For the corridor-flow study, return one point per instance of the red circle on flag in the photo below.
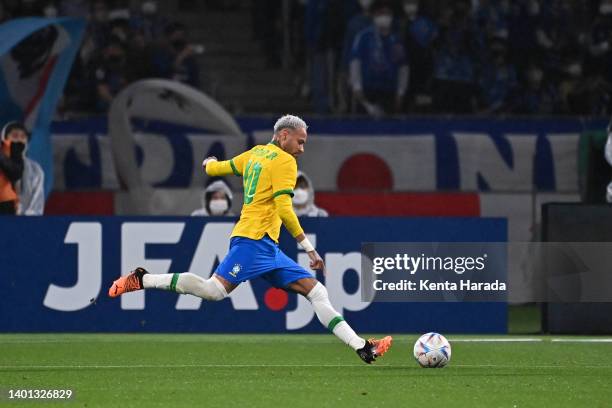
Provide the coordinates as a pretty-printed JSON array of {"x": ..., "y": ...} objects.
[{"x": 365, "y": 171}]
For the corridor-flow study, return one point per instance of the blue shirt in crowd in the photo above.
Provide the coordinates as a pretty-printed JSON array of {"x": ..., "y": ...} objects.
[
  {"x": 453, "y": 67},
  {"x": 424, "y": 31},
  {"x": 496, "y": 84},
  {"x": 381, "y": 58},
  {"x": 355, "y": 25}
]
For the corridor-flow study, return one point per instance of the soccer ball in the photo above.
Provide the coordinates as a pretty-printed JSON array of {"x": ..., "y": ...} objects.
[{"x": 432, "y": 350}]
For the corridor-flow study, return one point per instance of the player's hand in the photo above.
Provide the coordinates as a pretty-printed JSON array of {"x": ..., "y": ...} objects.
[
  {"x": 207, "y": 160},
  {"x": 316, "y": 262}
]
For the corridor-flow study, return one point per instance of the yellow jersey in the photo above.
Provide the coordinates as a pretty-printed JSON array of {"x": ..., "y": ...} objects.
[{"x": 268, "y": 172}]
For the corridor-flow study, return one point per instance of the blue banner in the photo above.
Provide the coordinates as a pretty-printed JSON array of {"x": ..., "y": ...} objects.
[
  {"x": 36, "y": 56},
  {"x": 56, "y": 272}
]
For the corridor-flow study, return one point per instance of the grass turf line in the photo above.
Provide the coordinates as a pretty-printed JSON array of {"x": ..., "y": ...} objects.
[{"x": 159, "y": 370}]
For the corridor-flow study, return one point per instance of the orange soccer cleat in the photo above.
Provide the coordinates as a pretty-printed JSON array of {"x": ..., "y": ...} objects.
[
  {"x": 127, "y": 283},
  {"x": 374, "y": 348}
]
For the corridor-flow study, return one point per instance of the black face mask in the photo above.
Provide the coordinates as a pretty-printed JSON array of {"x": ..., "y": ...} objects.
[
  {"x": 17, "y": 149},
  {"x": 179, "y": 44}
]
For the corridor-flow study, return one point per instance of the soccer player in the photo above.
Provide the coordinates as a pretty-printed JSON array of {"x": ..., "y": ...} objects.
[{"x": 269, "y": 176}]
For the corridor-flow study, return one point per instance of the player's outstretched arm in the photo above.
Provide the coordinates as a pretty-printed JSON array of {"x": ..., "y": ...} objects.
[
  {"x": 235, "y": 166},
  {"x": 284, "y": 208}
]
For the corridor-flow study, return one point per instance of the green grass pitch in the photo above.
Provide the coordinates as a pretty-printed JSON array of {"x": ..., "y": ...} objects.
[{"x": 158, "y": 370}]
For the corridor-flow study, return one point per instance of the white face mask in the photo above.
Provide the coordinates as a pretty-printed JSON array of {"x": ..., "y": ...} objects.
[
  {"x": 50, "y": 11},
  {"x": 535, "y": 75},
  {"x": 605, "y": 8},
  {"x": 383, "y": 21},
  {"x": 365, "y": 4},
  {"x": 411, "y": 9},
  {"x": 218, "y": 206},
  {"x": 300, "y": 196},
  {"x": 149, "y": 7}
]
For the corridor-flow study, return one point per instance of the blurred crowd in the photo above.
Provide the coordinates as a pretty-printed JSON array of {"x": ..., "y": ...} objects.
[
  {"x": 374, "y": 57},
  {"x": 122, "y": 44},
  {"x": 455, "y": 56}
]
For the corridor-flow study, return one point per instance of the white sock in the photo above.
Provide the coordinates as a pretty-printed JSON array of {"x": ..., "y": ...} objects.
[
  {"x": 157, "y": 280},
  {"x": 186, "y": 283},
  {"x": 331, "y": 319}
]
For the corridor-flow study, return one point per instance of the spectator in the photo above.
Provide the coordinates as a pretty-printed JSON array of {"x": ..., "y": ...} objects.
[
  {"x": 50, "y": 9},
  {"x": 555, "y": 36},
  {"x": 119, "y": 24},
  {"x": 498, "y": 79},
  {"x": 110, "y": 74},
  {"x": 175, "y": 58},
  {"x": 216, "y": 200},
  {"x": 139, "y": 57},
  {"x": 13, "y": 141},
  {"x": 454, "y": 87},
  {"x": 99, "y": 26},
  {"x": 491, "y": 16},
  {"x": 378, "y": 67},
  {"x": 536, "y": 96},
  {"x": 304, "y": 197},
  {"x": 149, "y": 22},
  {"x": 599, "y": 59},
  {"x": 420, "y": 31},
  {"x": 325, "y": 20},
  {"x": 30, "y": 188},
  {"x": 356, "y": 23}
]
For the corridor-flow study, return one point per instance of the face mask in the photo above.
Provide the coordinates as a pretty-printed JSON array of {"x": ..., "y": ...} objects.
[
  {"x": 218, "y": 206},
  {"x": 149, "y": 7},
  {"x": 50, "y": 12},
  {"x": 383, "y": 21},
  {"x": 575, "y": 69},
  {"x": 300, "y": 196},
  {"x": 535, "y": 75},
  {"x": 18, "y": 149},
  {"x": 411, "y": 9},
  {"x": 365, "y": 4},
  {"x": 605, "y": 8}
]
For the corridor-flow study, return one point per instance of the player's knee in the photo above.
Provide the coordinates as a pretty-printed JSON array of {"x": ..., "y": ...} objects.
[
  {"x": 209, "y": 289},
  {"x": 215, "y": 290}
]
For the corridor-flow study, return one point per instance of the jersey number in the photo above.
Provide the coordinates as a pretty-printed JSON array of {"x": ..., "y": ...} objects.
[{"x": 251, "y": 177}]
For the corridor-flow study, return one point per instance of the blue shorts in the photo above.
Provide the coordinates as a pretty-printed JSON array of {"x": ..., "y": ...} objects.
[{"x": 250, "y": 258}]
